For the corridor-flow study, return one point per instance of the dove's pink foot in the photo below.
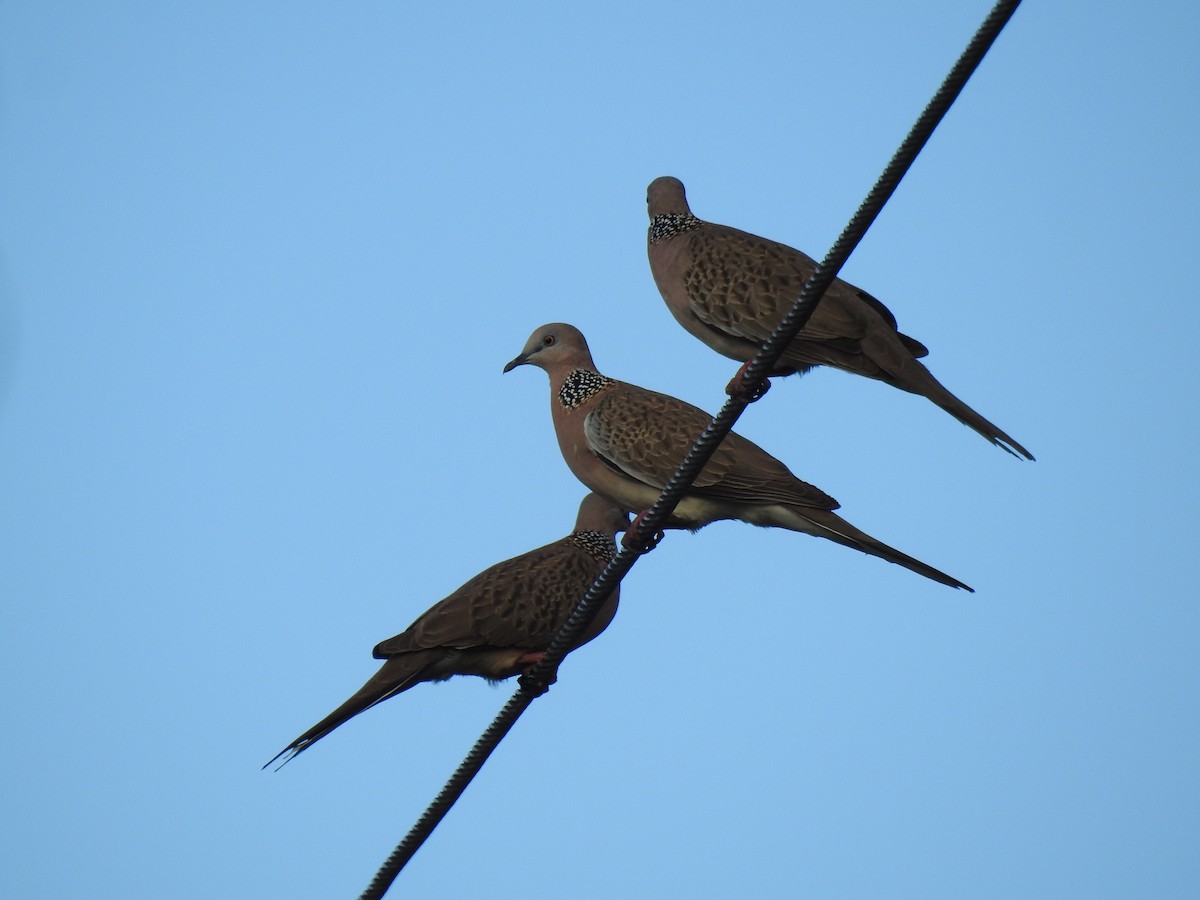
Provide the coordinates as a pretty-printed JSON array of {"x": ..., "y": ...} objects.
[
  {"x": 739, "y": 387},
  {"x": 627, "y": 538}
]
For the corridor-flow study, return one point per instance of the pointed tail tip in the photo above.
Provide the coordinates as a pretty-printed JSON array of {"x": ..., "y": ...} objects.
[
  {"x": 936, "y": 575},
  {"x": 290, "y": 752},
  {"x": 942, "y": 578},
  {"x": 1008, "y": 445}
]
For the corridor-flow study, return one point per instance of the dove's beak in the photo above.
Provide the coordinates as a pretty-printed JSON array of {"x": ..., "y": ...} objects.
[{"x": 521, "y": 360}]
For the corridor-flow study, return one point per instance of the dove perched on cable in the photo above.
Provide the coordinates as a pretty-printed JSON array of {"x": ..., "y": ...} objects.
[
  {"x": 497, "y": 624},
  {"x": 730, "y": 289},
  {"x": 625, "y": 442}
]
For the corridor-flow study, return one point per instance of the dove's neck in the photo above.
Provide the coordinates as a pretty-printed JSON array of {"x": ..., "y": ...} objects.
[
  {"x": 667, "y": 225},
  {"x": 595, "y": 543},
  {"x": 581, "y": 385}
]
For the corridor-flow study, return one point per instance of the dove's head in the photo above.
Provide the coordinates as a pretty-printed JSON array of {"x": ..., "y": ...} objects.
[
  {"x": 665, "y": 196},
  {"x": 555, "y": 348},
  {"x": 597, "y": 513}
]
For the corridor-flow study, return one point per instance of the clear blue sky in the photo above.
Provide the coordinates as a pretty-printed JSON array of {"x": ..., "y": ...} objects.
[{"x": 260, "y": 267}]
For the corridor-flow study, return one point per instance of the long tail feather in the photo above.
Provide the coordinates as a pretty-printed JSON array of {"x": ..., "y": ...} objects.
[
  {"x": 917, "y": 379},
  {"x": 396, "y": 675},
  {"x": 834, "y": 528}
]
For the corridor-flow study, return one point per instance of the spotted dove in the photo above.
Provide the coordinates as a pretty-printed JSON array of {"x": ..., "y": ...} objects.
[
  {"x": 625, "y": 442},
  {"x": 497, "y": 624},
  {"x": 730, "y": 289}
]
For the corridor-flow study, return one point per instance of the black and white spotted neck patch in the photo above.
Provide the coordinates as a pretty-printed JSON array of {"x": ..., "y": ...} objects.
[
  {"x": 579, "y": 386},
  {"x": 595, "y": 544},
  {"x": 667, "y": 225}
]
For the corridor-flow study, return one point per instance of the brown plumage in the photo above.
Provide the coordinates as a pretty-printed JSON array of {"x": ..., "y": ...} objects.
[
  {"x": 730, "y": 289},
  {"x": 498, "y": 623},
  {"x": 625, "y": 442}
]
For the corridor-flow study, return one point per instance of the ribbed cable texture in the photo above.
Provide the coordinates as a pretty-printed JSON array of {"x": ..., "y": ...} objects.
[{"x": 537, "y": 680}]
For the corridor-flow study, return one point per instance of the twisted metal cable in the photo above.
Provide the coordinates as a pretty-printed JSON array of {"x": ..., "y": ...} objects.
[{"x": 538, "y": 679}]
